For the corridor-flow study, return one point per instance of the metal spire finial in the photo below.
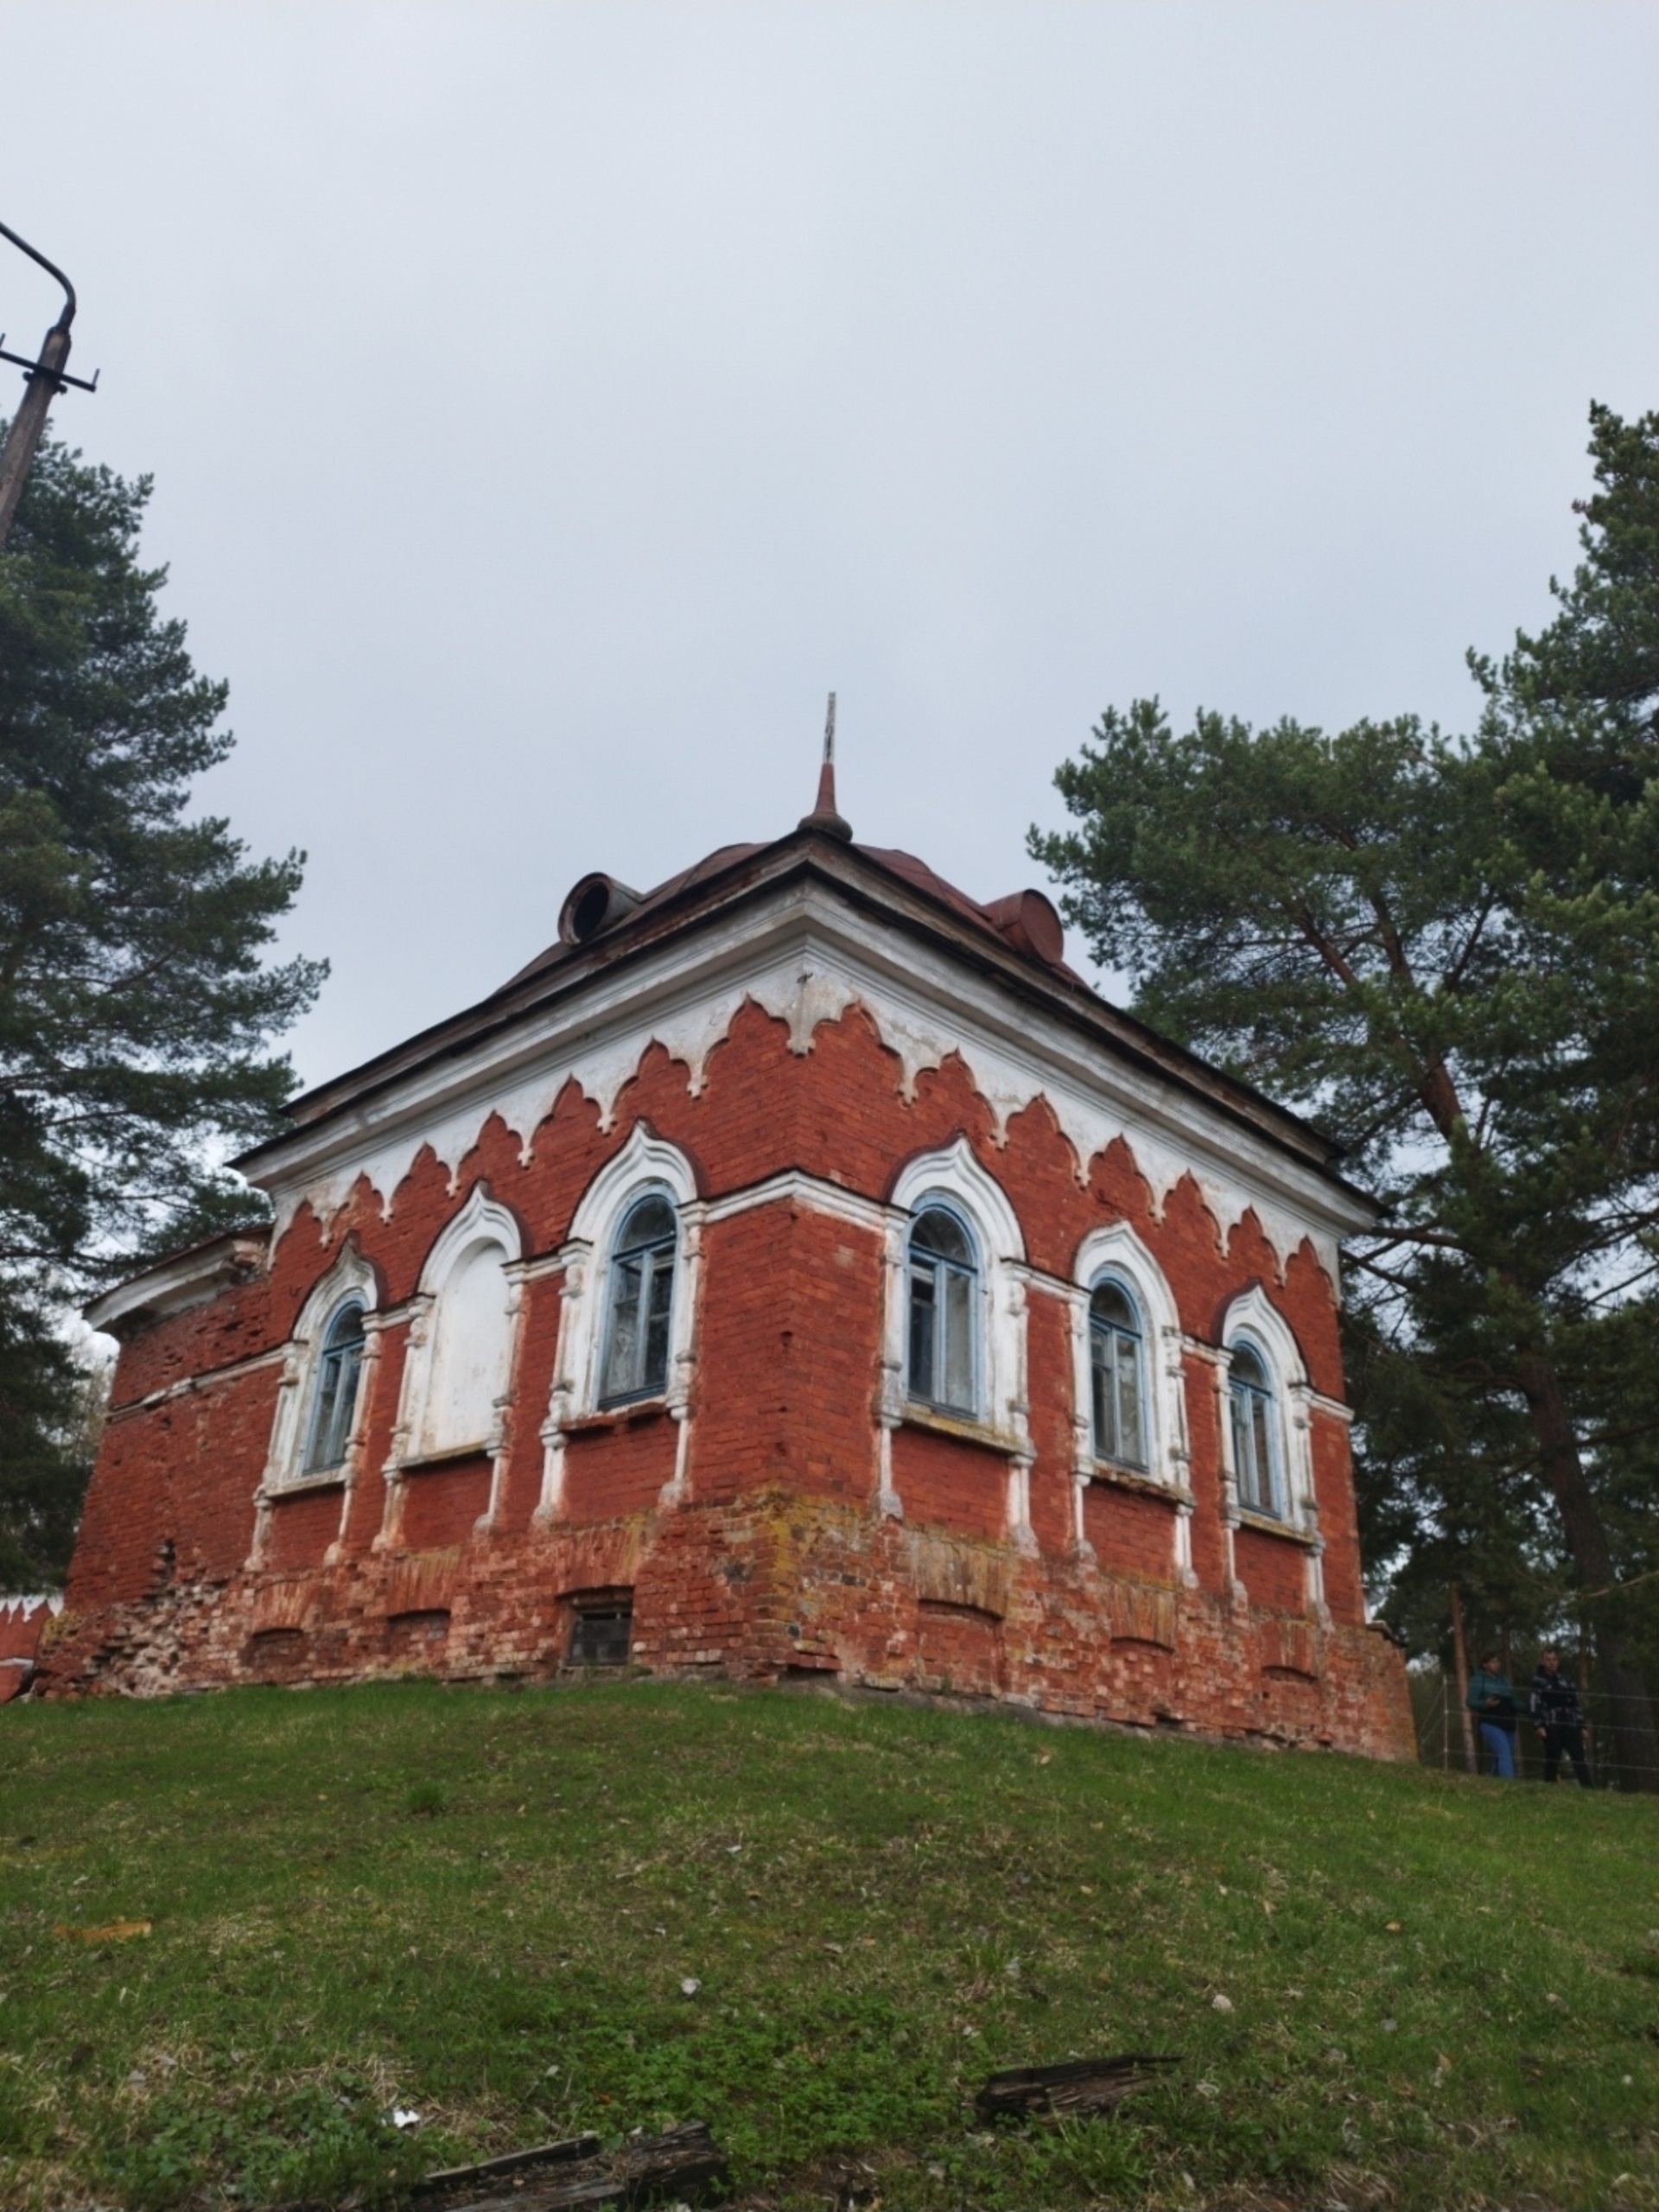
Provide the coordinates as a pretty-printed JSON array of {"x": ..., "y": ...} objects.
[{"x": 823, "y": 815}]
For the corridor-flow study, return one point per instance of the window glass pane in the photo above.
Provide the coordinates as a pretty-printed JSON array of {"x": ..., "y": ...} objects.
[
  {"x": 654, "y": 1368},
  {"x": 642, "y": 1299},
  {"x": 1131, "y": 1441},
  {"x": 921, "y": 1329},
  {"x": 347, "y": 1327},
  {"x": 1264, "y": 1451},
  {"x": 1105, "y": 1396},
  {"x": 622, "y": 1358},
  {"x": 1248, "y": 1367},
  {"x": 323, "y": 1420},
  {"x": 942, "y": 1234},
  {"x": 1110, "y": 1302},
  {"x": 336, "y": 1400},
  {"x": 348, "y": 1373},
  {"x": 651, "y": 1222},
  {"x": 958, "y": 1340},
  {"x": 1243, "y": 1446}
]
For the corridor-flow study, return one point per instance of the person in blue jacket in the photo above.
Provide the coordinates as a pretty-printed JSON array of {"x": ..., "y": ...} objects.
[{"x": 1491, "y": 1699}]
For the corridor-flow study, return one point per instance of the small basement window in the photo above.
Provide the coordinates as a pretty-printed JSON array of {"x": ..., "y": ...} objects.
[{"x": 601, "y": 1636}]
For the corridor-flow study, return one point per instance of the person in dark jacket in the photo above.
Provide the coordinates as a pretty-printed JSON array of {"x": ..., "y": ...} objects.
[
  {"x": 1491, "y": 1699},
  {"x": 1557, "y": 1717}
]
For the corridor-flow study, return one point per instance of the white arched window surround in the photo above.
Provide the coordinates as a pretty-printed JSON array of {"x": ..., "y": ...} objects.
[
  {"x": 646, "y": 1166},
  {"x": 1253, "y": 1320},
  {"x": 1114, "y": 1254},
  {"x": 459, "y": 1370},
  {"x": 350, "y": 1281},
  {"x": 954, "y": 1179}
]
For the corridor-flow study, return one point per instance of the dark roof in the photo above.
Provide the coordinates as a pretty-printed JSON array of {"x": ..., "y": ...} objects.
[
  {"x": 723, "y": 856},
  {"x": 904, "y": 865}
]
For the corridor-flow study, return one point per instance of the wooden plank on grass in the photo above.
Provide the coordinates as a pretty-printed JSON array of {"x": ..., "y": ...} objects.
[
  {"x": 1081, "y": 2085},
  {"x": 565, "y": 2151},
  {"x": 683, "y": 2162}
]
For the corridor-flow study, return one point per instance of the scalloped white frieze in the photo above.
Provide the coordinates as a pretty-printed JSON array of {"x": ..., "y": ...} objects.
[{"x": 805, "y": 997}]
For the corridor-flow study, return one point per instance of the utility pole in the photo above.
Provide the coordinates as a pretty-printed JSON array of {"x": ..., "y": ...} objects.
[{"x": 43, "y": 378}]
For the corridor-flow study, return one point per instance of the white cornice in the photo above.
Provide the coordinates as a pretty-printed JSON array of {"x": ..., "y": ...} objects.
[
  {"x": 811, "y": 1192},
  {"x": 189, "y": 1279},
  {"x": 804, "y": 955}
]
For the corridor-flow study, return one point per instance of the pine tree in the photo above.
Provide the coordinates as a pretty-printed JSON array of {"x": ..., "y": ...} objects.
[
  {"x": 1448, "y": 950},
  {"x": 136, "y": 997}
]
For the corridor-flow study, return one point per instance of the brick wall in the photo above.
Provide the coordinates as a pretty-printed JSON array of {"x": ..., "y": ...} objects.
[
  {"x": 23, "y": 1623},
  {"x": 777, "y": 1561}
]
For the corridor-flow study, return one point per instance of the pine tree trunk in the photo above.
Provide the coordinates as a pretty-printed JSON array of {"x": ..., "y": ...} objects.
[
  {"x": 1634, "y": 1738},
  {"x": 1460, "y": 1668}
]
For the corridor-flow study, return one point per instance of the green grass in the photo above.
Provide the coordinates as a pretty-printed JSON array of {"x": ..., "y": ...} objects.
[{"x": 482, "y": 1905}]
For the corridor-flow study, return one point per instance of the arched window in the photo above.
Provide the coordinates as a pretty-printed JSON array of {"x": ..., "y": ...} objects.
[
  {"x": 943, "y": 1321},
  {"x": 333, "y": 1402},
  {"x": 1254, "y": 1448},
  {"x": 1116, "y": 1375},
  {"x": 641, "y": 1302}
]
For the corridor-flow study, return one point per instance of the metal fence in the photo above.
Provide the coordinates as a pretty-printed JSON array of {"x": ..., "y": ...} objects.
[{"x": 1438, "y": 1714}]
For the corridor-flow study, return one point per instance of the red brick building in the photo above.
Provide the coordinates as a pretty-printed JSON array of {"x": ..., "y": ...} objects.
[{"x": 796, "y": 1272}]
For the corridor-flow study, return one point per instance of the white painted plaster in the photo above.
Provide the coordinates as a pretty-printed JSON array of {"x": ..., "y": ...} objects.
[
  {"x": 805, "y": 958},
  {"x": 455, "y": 1378}
]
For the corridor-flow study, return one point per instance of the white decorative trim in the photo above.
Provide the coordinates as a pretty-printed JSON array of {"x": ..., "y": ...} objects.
[
  {"x": 351, "y": 1276},
  {"x": 481, "y": 1221},
  {"x": 23, "y": 1606},
  {"x": 1114, "y": 1250},
  {"x": 1332, "y": 1409},
  {"x": 172, "y": 1286},
  {"x": 549, "y": 1263},
  {"x": 805, "y": 955},
  {"x": 1252, "y": 1317},
  {"x": 956, "y": 1174},
  {"x": 643, "y": 1163},
  {"x": 480, "y": 1224},
  {"x": 812, "y": 1192}
]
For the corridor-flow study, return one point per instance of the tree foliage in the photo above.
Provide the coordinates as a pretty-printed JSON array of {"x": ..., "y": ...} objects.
[
  {"x": 1445, "y": 950},
  {"x": 136, "y": 994}
]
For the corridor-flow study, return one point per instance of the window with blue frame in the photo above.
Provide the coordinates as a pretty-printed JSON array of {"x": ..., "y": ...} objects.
[
  {"x": 340, "y": 1366},
  {"x": 1117, "y": 1376},
  {"x": 943, "y": 1270},
  {"x": 1254, "y": 1448},
  {"x": 641, "y": 1302}
]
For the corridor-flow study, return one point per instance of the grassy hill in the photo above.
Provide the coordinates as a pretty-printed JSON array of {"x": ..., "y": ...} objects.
[{"x": 1385, "y": 1986}]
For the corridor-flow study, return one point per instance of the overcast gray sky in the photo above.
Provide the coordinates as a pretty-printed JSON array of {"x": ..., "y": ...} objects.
[{"x": 549, "y": 404}]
